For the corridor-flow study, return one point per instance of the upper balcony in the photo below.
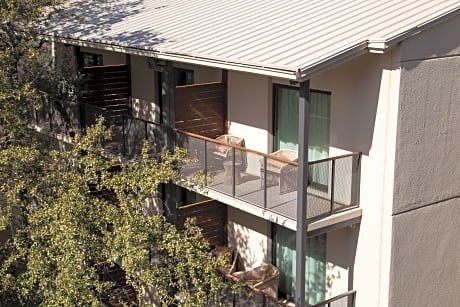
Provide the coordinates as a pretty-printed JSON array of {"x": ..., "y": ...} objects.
[
  {"x": 269, "y": 181},
  {"x": 237, "y": 175}
]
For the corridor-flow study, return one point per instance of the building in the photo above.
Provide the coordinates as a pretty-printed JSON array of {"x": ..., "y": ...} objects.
[{"x": 382, "y": 79}]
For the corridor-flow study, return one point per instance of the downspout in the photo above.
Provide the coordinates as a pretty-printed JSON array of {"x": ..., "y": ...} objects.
[{"x": 302, "y": 175}]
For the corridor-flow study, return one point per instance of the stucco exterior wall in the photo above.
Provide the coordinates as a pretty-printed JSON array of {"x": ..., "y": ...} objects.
[
  {"x": 251, "y": 236},
  {"x": 249, "y": 113},
  {"x": 425, "y": 268},
  {"x": 364, "y": 109},
  {"x": 363, "y": 118},
  {"x": 425, "y": 258},
  {"x": 439, "y": 41}
]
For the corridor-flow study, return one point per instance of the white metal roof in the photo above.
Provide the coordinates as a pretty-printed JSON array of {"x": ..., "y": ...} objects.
[{"x": 273, "y": 37}]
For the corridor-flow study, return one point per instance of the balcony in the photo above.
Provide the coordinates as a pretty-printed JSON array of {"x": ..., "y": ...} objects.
[{"x": 245, "y": 175}]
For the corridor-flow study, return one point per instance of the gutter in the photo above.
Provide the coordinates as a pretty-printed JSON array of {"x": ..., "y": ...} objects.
[{"x": 289, "y": 74}]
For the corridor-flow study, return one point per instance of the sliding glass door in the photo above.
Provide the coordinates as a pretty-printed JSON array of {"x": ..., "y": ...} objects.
[
  {"x": 286, "y": 124},
  {"x": 315, "y": 264}
]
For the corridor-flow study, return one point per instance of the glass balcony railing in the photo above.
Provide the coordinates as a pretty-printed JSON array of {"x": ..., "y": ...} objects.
[
  {"x": 262, "y": 180},
  {"x": 271, "y": 182}
]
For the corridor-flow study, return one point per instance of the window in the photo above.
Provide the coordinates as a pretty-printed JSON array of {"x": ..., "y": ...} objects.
[
  {"x": 90, "y": 59},
  {"x": 315, "y": 264},
  {"x": 286, "y": 122},
  {"x": 183, "y": 76}
]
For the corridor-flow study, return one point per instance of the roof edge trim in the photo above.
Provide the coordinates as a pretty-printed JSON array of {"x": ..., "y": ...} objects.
[
  {"x": 189, "y": 59},
  {"x": 338, "y": 58},
  {"x": 422, "y": 27}
]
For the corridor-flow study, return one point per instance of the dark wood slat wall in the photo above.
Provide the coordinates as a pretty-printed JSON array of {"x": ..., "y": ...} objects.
[
  {"x": 108, "y": 87},
  {"x": 201, "y": 109},
  {"x": 211, "y": 217}
]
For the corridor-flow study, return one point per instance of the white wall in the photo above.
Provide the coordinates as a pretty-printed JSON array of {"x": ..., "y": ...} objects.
[
  {"x": 251, "y": 236},
  {"x": 249, "y": 113}
]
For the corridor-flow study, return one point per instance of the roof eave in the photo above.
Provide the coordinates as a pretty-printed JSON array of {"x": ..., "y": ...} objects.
[{"x": 284, "y": 73}]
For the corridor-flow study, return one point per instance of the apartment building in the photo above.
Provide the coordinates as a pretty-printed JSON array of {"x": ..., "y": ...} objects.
[{"x": 375, "y": 88}]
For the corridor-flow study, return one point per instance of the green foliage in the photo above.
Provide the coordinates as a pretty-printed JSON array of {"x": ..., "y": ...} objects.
[
  {"x": 24, "y": 65},
  {"x": 62, "y": 229}
]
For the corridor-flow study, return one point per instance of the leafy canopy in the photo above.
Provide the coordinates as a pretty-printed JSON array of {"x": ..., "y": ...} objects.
[{"x": 70, "y": 210}]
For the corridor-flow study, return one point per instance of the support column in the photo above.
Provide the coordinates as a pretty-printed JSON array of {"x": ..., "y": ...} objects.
[
  {"x": 168, "y": 123},
  {"x": 302, "y": 178},
  {"x": 167, "y": 99}
]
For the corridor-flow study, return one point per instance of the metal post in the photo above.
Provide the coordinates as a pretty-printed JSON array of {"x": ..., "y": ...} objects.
[
  {"x": 205, "y": 169},
  {"x": 167, "y": 89},
  {"x": 302, "y": 179},
  {"x": 123, "y": 134},
  {"x": 168, "y": 120},
  {"x": 332, "y": 186},
  {"x": 265, "y": 182},
  {"x": 233, "y": 173}
]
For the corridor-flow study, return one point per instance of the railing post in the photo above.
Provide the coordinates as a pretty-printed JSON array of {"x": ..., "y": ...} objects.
[
  {"x": 265, "y": 182},
  {"x": 332, "y": 186},
  {"x": 355, "y": 180},
  {"x": 205, "y": 169},
  {"x": 233, "y": 173},
  {"x": 123, "y": 134}
]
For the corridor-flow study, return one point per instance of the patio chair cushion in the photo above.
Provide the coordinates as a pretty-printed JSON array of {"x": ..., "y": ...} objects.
[
  {"x": 229, "y": 139},
  {"x": 264, "y": 278}
]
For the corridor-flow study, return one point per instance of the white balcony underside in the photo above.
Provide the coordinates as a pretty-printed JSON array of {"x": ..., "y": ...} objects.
[{"x": 282, "y": 207}]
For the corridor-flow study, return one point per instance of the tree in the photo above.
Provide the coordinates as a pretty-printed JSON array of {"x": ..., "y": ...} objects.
[
  {"x": 63, "y": 227},
  {"x": 70, "y": 212},
  {"x": 27, "y": 77}
]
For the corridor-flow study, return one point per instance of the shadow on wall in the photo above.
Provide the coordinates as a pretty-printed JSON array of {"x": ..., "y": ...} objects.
[
  {"x": 356, "y": 88},
  {"x": 246, "y": 237},
  {"x": 341, "y": 255},
  {"x": 96, "y": 20}
]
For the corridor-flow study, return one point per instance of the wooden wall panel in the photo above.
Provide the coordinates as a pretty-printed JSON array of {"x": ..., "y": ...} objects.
[
  {"x": 201, "y": 109},
  {"x": 108, "y": 87},
  {"x": 211, "y": 217}
]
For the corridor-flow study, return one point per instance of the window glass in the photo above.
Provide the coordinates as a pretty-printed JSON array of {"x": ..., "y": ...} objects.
[
  {"x": 183, "y": 76},
  {"x": 90, "y": 59},
  {"x": 315, "y": 264}
]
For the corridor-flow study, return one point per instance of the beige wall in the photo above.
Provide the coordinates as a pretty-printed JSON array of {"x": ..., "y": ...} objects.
[
  {"x": 340, "y": 255},
  {"x": 202, "y": 74},
  {"x": 143, "y": 88},
  {"x": 251, "y": 236},
  {"x": 363, "y": 118},
  {"x": 249, "y": 113}
]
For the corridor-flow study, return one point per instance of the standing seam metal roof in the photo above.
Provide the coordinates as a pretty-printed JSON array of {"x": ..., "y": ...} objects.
[{"x": 273, "y": 35}]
